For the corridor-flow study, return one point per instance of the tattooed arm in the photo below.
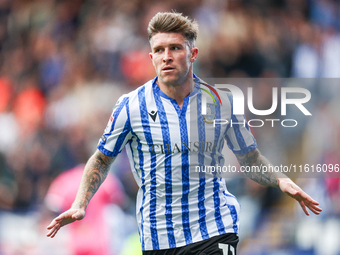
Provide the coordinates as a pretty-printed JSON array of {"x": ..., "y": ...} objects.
[
  {"x": 254, "y": 158},
  {"x": 94, "y": 174}
]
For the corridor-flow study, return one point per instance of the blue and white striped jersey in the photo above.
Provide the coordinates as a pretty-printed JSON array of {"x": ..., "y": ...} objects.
[{"x": 165, "y": 144}]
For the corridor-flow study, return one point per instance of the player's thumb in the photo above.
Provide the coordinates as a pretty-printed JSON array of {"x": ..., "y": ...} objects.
[
  {"x": 292, "y": 191},
  {"x": 78, "y": 215}
]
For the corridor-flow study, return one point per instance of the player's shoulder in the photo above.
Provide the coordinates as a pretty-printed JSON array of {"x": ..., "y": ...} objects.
[
  {"x": 133, "y": 95},
  {"x": 221, "y": 94}
]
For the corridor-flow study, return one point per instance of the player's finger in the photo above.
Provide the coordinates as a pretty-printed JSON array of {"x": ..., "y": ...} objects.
[
  {"x": 62, "y": 216},
  {"x": 311, "y": 204},
  {"x": 318, "y": 208},
  {"x": 315, "y": 209},
  {"x": 312, "y": 201},
  {"x": 49, "y": 234},
  {"x": 308, "y": 198},
  {"x": 53, "y": 231},
  {"x": 302, "y": 204},
  {"x": 52, "y": 224}
]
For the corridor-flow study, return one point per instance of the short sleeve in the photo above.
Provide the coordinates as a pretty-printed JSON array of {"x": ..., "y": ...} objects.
[
  {"x": 118, "y": 130},
  {"x": 238, "y": 135}
]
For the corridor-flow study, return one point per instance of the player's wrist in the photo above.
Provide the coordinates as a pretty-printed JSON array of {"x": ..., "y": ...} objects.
[
  {"x": 78, "y": 206},
  {"x": 281, "y": 180}
]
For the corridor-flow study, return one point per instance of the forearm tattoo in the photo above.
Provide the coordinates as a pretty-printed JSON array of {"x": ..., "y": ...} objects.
[
  {"x": 94, "y": 174},
  {"x": 254, "y": 158}
]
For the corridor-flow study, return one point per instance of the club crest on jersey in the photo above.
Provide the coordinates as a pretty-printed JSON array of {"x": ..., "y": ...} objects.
[{"x": 211, "y": 113}]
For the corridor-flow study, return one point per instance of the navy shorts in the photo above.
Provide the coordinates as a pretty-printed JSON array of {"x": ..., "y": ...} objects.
[{"x": 218, "y": 245}]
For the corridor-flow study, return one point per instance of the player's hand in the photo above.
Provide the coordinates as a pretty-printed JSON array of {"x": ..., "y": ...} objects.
[
  {"x": 63, "y": 219},
  {"x": 294, "y": 191}
]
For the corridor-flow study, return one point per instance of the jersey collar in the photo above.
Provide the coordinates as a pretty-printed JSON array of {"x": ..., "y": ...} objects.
[{"x": 162, "y": 94}]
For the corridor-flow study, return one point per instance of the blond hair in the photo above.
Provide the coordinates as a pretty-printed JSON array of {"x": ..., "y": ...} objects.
[{"x": 167, "y": 22}]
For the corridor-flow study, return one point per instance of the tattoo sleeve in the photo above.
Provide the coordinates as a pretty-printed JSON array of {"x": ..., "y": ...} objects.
[
  {"x": 95, "y": 172},
  {"x": 254, "y": 158}
]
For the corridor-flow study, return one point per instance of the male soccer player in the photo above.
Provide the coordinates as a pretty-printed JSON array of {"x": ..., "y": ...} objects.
[{"x": 167, "y": 136}]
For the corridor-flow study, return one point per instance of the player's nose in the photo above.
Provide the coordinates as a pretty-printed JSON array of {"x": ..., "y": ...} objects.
[{"x": 167, "y": 55}]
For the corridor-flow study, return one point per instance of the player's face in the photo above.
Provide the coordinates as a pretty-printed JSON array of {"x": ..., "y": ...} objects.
[{"x": 172, "y": 58}]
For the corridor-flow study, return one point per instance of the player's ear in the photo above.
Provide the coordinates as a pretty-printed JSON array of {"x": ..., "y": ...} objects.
[
  {"x": 194, "y": 53},
  {"x": 151, "y": 57},
  {"x": 150, "y": 53}
]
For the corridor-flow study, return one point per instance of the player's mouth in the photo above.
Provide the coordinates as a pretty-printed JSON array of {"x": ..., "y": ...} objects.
[{"x": 168, "y": 69}]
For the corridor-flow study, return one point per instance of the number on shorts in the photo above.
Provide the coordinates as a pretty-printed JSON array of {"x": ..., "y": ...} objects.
[{"x": 225, "y": 248}]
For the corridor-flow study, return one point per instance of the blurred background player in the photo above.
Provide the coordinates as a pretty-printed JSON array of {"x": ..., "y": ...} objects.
[{"x": 90, "y": 236}]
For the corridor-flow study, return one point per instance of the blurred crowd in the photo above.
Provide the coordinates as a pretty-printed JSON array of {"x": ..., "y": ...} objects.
[{"x": 63, "y": 65}]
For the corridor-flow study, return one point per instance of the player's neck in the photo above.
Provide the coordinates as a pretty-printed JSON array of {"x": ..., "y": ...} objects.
[{"x": 179, "y": 91}]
